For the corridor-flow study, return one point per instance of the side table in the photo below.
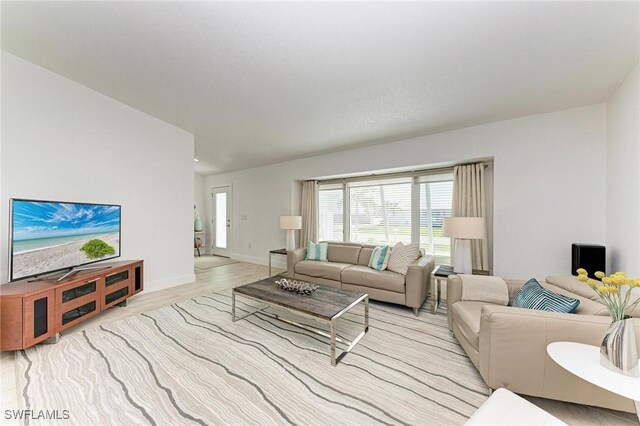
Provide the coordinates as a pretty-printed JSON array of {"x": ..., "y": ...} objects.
[
  {"x": 584, "y": 361},
  {"x": 441, "y": 273},
  {"x": 282, "y": 252}
]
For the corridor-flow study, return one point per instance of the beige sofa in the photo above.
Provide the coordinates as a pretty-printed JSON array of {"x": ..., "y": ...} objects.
[
  {"x": 347, "y": 268},
  {"x": 508, "y": 345}
]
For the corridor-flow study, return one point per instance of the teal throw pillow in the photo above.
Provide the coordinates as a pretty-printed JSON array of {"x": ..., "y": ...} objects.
[
  {"x": 380, "y": 258},
  {"x": 316, "y": 251},
  {"x": 533, "y": 296}
]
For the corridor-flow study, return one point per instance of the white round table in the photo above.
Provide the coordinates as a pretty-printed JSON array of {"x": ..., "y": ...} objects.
[{"x": 584, "y": 361}]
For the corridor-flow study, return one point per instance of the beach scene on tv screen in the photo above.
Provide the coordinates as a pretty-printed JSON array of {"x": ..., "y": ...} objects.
[{"x": 49, "y": 236}]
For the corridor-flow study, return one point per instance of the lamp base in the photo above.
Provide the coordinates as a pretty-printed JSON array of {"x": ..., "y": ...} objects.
[
  {"x": 291, "y": 240},
  {"x": 462, "y": 257}
]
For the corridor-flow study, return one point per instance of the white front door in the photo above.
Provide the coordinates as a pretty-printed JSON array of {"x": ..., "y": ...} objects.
[{"x": 222, "y": 221}]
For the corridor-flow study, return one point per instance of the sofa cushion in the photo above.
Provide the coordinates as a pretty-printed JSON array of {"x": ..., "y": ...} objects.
[
  {"x": 365, "y": 256},
  {"x": 327, "y": 270},
  {"x": 316, "y": 251},
  {"x": 367, "y": 277},
  {"x": 533, "y": 296},
  {"x": 467, "y": 314},
  {"x": 343, "y": 253}
]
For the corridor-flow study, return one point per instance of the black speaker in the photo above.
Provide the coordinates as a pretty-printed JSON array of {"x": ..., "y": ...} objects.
[{"x": 591, "y": 257}]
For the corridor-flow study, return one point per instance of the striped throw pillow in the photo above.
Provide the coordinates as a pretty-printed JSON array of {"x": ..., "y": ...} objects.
[
  {"x": 402, "y": 256},
  {"x": 379, "y": 258},
  {"x": 316, "y": 251},
  {"x": 533, "y": 296}
]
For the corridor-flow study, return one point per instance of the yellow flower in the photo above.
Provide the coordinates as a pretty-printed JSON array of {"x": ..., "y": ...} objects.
[
  {"x": 582, "y": 277},
  {"x": 607, "y": 280},
  {"x": 581, "y": 271},
  {"x": 607, "y": 290},
  {"x": 599, "y": 274},
  {"x": 620, "y": 274}
]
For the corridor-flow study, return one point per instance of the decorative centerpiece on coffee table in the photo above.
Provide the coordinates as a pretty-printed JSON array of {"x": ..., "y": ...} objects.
[
  {"x": 298, "y": 287},
  {"x": 618, "y": 351}
]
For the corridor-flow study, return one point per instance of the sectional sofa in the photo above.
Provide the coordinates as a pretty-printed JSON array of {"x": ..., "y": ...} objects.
[
  {"x": 347, "y": 268},
  {"x": 508, "y": 345}
]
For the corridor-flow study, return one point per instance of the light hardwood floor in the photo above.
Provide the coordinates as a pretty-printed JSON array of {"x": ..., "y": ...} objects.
[{"x": 232, "y": 275}]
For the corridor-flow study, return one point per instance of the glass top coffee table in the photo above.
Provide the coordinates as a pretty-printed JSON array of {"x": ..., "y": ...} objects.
[{"x": 325, "y": 305}]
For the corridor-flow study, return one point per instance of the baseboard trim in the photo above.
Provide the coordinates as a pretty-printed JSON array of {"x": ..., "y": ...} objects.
[
  {"x": 276, "y": 261},
  {"x": 169, "y": 282}
]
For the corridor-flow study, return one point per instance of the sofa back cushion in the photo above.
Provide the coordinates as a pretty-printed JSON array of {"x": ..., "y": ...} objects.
[
  {"x": 343, "y": 253},
  {"x": 365, "y": 256},
  {"x": 571, "y": 284}
]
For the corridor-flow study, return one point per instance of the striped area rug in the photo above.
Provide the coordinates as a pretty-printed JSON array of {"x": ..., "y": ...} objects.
[{"x": 188, "y": 363}]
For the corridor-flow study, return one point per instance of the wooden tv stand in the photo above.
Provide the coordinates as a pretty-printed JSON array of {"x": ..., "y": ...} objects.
[{"x": 33, "y": 311}]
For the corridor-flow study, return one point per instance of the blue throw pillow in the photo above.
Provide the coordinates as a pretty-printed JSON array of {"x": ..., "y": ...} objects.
[
  {"x": 533, "y": 296},
  {"x": 317, "y": 251},
  {"x": 380, "y": 258}
]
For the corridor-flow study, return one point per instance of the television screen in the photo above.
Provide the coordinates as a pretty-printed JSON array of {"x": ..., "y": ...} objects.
[{"x": 48, "y": 236}]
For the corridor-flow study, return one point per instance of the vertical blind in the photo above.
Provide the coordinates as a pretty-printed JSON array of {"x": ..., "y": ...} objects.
[
  {"x": 436, "y": 200},
  {"x": 330, "y": 212},
  {"x": 383, "y": 211}
]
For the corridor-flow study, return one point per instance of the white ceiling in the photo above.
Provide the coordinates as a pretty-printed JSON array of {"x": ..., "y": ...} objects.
[{"x": 259, "y": 83}]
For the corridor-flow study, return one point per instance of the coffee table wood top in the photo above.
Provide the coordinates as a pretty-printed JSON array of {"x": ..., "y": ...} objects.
[{"x": 325, "y": 302}]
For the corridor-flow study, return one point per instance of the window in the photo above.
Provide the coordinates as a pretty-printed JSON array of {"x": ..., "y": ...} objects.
[
  {"x": 380, "y": 213},
  {"x": 387, "y": 211},
  {"x": 331, "y": 211},
  {"x": 435, "y": 203}
]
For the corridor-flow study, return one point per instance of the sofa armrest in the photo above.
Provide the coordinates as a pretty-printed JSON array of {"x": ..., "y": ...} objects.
[
  {"x": 294, "y": 257},
  {"x": 418, "y": 280},
  {"x": 513, "y": 353},
  {"x": 454, "y": 292}
]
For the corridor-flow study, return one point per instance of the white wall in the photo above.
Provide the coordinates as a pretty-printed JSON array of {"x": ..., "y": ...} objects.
[
  {"x": 62, "y": 141},
  {"x": 623, "y": 176},
  {"x": 200, "y": 198},
  {"x": 544, "y": 177}
]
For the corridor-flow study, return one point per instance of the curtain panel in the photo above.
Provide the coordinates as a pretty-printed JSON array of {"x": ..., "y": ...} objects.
[
  {"x": 309, "y": 211},
  {"x": 469, "y": 201}
]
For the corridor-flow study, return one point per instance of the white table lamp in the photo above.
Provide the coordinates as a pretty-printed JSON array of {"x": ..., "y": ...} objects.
[
  {"x": 463, "y": 229},
  {"x": 291, "y": 223}
]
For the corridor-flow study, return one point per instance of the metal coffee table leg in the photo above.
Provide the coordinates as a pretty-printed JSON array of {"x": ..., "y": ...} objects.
[
  {"x": 332, "y": 324},
  {"x": 335, "y": 360}
]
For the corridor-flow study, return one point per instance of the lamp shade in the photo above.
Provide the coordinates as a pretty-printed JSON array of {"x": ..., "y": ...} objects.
[
  {"x": 290, "y": 222},
  {"x": 471, "y": 228}
]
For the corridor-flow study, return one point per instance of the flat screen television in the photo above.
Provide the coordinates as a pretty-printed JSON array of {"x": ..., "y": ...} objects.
[{"x": 51, "y": 236}]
